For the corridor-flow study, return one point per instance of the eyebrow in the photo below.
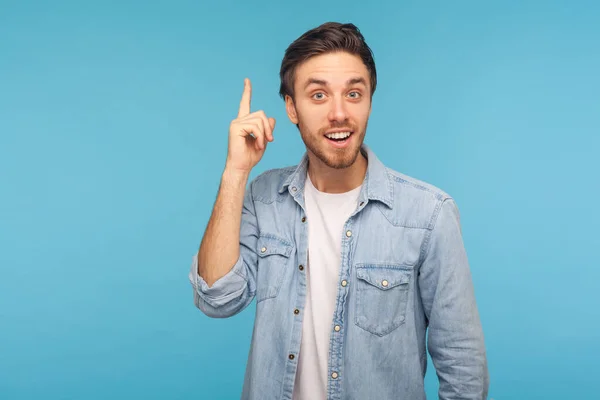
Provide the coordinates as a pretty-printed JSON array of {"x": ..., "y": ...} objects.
[{"x": 321, "y": 82}]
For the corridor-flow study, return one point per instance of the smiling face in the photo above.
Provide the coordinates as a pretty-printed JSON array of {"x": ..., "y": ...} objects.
[{"x": 331, "y": 105}]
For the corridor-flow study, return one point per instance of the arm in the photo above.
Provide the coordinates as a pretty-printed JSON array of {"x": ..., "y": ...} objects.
[
  {"x": 455, "y": 338},
  {"x": 224, "y": 270},
  {"x": 219, "y": 249},
  {"x": 223, "y": 273}
]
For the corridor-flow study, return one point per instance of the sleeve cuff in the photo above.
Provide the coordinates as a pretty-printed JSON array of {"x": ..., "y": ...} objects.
[{"x": 224, "y": 289}]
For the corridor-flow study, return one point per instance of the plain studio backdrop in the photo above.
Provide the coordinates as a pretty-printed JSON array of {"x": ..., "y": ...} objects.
[{"x": 113, "y": 136}]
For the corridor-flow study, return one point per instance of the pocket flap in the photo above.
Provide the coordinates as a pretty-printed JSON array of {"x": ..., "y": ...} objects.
[
  {"x": 382, "y": 277},
  {"x": 268, "y": 245}
]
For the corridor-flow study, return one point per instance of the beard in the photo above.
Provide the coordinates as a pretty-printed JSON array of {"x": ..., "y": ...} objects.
[{"x": 331, "y": 156}]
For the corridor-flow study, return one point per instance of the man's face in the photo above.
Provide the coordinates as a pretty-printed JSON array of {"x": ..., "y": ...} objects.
[{"x": 332, "y": 95}]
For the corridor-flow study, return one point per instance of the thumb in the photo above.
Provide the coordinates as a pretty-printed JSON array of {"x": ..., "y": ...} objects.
[{"x": 272, "y": 122}]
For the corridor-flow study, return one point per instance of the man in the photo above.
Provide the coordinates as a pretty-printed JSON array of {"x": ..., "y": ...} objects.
[{"x": 350, "y": 262}]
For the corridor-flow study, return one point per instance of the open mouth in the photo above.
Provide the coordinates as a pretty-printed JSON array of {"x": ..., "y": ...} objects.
[{"x": 339, "y": 139}]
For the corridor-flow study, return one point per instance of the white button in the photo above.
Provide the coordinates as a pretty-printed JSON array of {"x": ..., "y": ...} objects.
[
  {"x": 263, "y": 249},
  {"x": 334, "y": 375},
  {"x": 348, "y": 233},
  {"x": 294, "y": 188},
  {"x": 344, "y": 283},
  {"x": 384, "y": 283},
  {"x": 337, "y": 328}
]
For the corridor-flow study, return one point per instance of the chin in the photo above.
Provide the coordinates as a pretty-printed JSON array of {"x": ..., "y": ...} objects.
[
  {"x": 341, "y": 161},
  {"x": 336, "y": 158}
]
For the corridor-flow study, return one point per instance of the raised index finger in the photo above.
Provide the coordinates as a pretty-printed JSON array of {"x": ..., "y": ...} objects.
[{"x": 245, "y": 102}]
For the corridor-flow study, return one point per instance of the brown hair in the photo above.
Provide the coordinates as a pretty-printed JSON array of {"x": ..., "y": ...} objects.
[{"x": 326, "y": 38}]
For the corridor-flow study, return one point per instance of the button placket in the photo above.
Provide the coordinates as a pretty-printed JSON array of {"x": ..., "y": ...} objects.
[{"x": 337, "y": 328}]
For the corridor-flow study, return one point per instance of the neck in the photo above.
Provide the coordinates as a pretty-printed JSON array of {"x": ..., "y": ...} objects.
[{"x": 332, "y": 180}]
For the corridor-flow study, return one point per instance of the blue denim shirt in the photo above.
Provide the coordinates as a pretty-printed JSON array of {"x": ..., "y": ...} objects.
[{"x": 404, "y": 273}]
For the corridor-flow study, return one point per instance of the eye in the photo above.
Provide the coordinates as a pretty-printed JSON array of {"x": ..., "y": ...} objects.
[
  {"x": 354, "y": 95},
  {"x": 318, "y": 96}
]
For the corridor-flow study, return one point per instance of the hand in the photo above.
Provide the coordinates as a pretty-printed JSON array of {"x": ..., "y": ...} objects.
[{"x": 248, "y": 135}]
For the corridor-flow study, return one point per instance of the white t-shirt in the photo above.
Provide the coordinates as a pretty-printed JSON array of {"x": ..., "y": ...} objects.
[{"x": 326, "y": 214}]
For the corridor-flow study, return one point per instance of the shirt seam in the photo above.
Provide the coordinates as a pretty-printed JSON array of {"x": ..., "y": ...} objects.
[{"x": 426, "y": 246}]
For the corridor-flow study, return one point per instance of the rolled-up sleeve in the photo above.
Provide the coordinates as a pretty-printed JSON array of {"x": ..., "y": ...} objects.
[
  {"x": 455, "y": 337},
  {"x": 234, "y": 291}
]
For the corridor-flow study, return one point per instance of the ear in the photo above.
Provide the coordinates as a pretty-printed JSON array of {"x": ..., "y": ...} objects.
[{"x": 290, "y": 108}]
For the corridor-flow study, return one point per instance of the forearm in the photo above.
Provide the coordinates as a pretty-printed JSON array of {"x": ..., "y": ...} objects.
[{"x": 220, "y": 248}]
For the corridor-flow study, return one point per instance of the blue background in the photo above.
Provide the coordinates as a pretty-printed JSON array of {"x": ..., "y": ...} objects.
[{"x": 113, "y": 136}]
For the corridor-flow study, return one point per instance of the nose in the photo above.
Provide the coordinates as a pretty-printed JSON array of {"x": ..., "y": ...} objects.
[{"x": 338, "y": 112}]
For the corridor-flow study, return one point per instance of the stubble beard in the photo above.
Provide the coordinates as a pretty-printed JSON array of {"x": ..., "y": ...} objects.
[{"x": 330, "y": 156}]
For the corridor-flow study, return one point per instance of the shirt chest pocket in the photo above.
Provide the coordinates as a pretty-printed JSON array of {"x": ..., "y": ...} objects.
[
  {"x": 273, "y": 259},
  {"x": 381, "y": 297}
]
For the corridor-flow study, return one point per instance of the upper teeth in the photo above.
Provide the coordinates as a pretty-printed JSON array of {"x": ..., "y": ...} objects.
[{"x": 338, "y": 135}]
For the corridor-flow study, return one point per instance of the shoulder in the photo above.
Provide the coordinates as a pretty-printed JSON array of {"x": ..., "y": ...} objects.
[
  {"x": 265, "y": 187},
  {"x": 416, "y": 202},
  {"x": 410, "y": 186}
]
